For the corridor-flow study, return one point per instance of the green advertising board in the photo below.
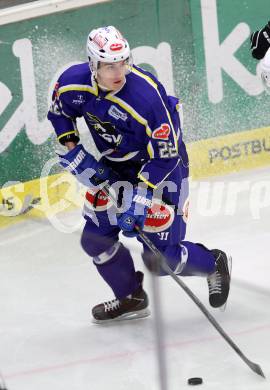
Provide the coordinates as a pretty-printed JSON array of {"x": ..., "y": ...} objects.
[
  {"x": 33, "y": 53},
  {"x": 199, "y": 49},
  {"x": 228, "y": 95}
]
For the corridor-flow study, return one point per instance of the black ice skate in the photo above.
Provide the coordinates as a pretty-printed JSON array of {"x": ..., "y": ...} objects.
[
  {"x": 131, "y": 307},
  {"x": 219, "y": 281}
]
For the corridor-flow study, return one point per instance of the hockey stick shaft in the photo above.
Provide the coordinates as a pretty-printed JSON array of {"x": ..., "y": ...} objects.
[
  {"x": 159, "y": 334},
  {"x": 163, "y": 264},
  {"x": 158, "y": 320}
]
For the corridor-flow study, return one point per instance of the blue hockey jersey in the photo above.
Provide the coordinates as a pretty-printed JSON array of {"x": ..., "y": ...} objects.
[{"x": 139, "y": 123}]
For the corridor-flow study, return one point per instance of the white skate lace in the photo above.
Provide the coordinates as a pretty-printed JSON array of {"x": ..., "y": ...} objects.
[
  {"x": 112, "y": 305},
  {"x": 214, "y": 283}
]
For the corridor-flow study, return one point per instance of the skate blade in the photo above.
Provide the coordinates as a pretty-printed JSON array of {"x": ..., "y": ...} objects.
[
  {"x": 135, "y": 315},
  {"x": 223, "y": 307}
]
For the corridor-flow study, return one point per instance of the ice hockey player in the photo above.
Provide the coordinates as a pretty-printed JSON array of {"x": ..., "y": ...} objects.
[
  {"x": 260, "y": 42},
  {"x": 260, "y": 49},
  {"x": 136, "y": 128}
]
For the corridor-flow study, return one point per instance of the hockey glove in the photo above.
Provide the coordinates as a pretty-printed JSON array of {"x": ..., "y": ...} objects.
[
  {"x": 136, "y": 214},
  {"x": 85, "y": 167},
  {"x": 260, "y": 42}
]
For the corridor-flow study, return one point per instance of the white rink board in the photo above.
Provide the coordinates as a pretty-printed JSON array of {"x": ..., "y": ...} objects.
[
  {"x": 40, "y": 8},
  {"x": 48, "y": 285}
]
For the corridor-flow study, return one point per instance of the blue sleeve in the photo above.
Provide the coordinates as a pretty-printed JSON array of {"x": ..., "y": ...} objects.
[
  {"x": 63, "y": 116},
  {"x": 163, "y": 141}
]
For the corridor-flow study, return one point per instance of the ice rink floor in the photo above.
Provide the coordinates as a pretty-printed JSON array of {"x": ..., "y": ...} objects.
[{"x": 48, "y": 286}]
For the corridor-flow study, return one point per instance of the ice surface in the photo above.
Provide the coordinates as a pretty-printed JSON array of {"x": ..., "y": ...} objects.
[{"x": 48, "y": 286}]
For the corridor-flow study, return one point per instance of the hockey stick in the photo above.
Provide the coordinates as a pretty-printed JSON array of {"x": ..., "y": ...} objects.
[
  {"x": 29, "y": 203},
  {"x": 163, "y": 264},
  {"x": 3, "y": 384},
  {"x": 159, "y": 334}
]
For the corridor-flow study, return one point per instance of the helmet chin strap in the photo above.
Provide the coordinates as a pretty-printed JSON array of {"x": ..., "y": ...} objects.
[
  {"x": 105, "y": 89},
  {"x": 102, "y": 87}
]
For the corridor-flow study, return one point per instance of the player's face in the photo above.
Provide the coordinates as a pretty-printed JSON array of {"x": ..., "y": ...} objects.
[{"x": 112, "y": 75}]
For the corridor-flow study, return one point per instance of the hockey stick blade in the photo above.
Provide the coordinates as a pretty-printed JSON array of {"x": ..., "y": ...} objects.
[{"x": 163, "y": 264}]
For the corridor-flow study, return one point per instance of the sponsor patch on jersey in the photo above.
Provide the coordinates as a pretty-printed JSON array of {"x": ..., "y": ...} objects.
[
  {"x": 116, "y": 46},
  {"x": 162, "y": 132},
  {"x": 97, "y": 200},
  {"x": 117, "y": 114},
  {"x": 159, "y": 217}
]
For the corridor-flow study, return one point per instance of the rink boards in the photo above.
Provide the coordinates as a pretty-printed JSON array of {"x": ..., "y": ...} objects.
[
  {"x": 230, "y": 153},
  {"x": 48, "y": 196}
]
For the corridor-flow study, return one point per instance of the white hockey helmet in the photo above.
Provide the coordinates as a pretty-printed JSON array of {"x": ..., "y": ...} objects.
[
  {"x": 265, "y": 68},
  {"x": 106, "y": 44}
]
